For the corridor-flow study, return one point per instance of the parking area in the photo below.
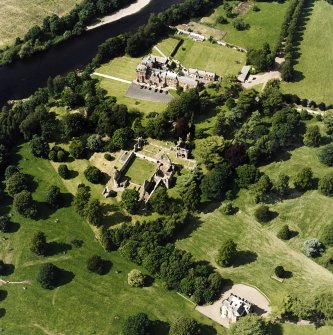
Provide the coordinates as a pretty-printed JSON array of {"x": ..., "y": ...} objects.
[{"x": 148, "y": 93}]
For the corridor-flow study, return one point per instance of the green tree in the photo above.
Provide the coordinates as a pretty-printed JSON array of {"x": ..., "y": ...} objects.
[
  {"x": 16, "y": 183},
  {"x": 130, "y": 200},
  {"x": 247, "y": 174},
  {"x": 209, "y": 151},
  {"x": 38, "y": 244},
  {"x": 313, "y": 247},
  {"x": 94, "y": 212},
  {"x": 160, "y": 201},
  {"x": 136, "y": 278},
  {"x": 48, "y": 276},
  {"x": 137, "y": 325},
  {"x": 24, "y": 204},
  {"x": 271, "y": 98},
  {"x": 263, "y": 214},
  {"x": 53, "y": 196},
  {"x": 251, "y": 324},
  {"x": 95, "y": 143},
  {"x": 227, "y": 253},
  {"x": 279, "y": 271},
  {"x": 39, "y": 147},
  {"x": 284, "y": 233},
  {"x": 93, "y": 174},
  {"x": 247, "y": 101},
  {"x": 96, "y": 264},
  {"x": 326, "y": 155},
  {"x": 122, "y": 138},
  {"x": 77, "y": 148},
  {"x": 189, "y": 191},
  {"x": 325, "y": 185},
  {"x": 281, "y": 186},
  {"x": 312, "y": 137},
  {"x": 304, "y": 179},
  {"x": 184, "y": 326},
  {"x": 82, "y": 198},
  {"x": 63, "y": 171}
]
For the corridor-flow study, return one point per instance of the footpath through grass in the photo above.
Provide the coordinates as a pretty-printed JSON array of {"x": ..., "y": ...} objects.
[
  {"x": 87, "y": 303},
  {"x": 314, "y": 76}
]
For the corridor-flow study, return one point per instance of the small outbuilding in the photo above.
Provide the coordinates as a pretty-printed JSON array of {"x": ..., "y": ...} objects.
[{"x": 244, "y": 73}]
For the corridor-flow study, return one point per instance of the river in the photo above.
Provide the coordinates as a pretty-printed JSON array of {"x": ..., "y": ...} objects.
[{"x": 20, "y": 80}]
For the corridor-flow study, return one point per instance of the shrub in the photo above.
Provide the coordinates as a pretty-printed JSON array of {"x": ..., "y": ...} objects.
[
  {"x": 279, "y": 271},
  {"x": 304, "y": 179},
  {"x": 108, "y": 157},
  {"x": 239, "y": 24},
  {"x": 222, "y": 20},
  {"x": 228, "y": 209},
  {"x": 227, "y": 253},
  {"x": 325, "y": 185},
  {"x": 263, "y": 214},
  {"x": 48, "y": 276},
  {"x": 284, "y": 233},
  {"x": 93, "y": 174},
  {"x": 184, "y": 326},
  {"x": 63, "y": 171},
  {"x": 96, "y": 264},
  {"x": 313, "y": 248},
  {"x": 136, "y": 278},
  {"x": 38, "y": 244},
  {"x": 327, "y": 235},
  {"x": 326, "y": 155}
]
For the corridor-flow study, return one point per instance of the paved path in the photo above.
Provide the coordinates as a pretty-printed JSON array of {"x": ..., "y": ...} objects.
[
  {"x": 160, "y": 52},
  {"x": 257, "y": 79},
  {"x": 112, "y": 78}
]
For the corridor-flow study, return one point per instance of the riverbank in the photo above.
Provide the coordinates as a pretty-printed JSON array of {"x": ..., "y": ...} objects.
[{"x": 130, "y": 10}]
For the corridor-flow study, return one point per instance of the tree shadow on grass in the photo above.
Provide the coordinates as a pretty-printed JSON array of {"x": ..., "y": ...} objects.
[
  {"x": 13, "y": 227},
  {"x": 107, "y": 265},
  {"x": 3, "y": 295},
  {"x": 276, "y": 329},
  {"x": 54, "y": 248},
  {"x": 44, "y": 211},
  {"x": 293, "y": 233},
  {"x": 159, "y": 327},
  {"x": 149, "y": 281},
  {"x": 245, "y": 257},
  {"x": 207, "y": 330},
  {"x": 64, "y": 277},
  {"x": 66, "y": 199},
  {"x": 287, "y": 274},
  {"x": 2, "y": 312},
  {"x": 72, "y": 174},
  {"x": 112, "y": 219},
  {"x": 9, "y": 269}
]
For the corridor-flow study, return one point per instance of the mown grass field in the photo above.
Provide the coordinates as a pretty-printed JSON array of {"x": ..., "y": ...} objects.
[
  {"x": 210, "y": 57},
  {"x": 140, "y": 170},
  {"x": 261, "y": 250},
  {"x": 87, "y": 303},
  {"x": 167, "y": 46},
  {"x": 17, "y": 16},
  {"x": 265, "y": 25},
  {"x": 314, "y": 77}
]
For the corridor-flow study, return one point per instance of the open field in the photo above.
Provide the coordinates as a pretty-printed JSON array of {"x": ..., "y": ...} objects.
[
  {"x": 261, "y": 250},
  {"x": 87, "y": 303},
  {"x": 17, "y": 16},
  {"x": 265, "y": 24},
  {"x": 289, "y": 329},
  {"x": 167, "y": 46},
  {"x": 140, "y": 170},
  {"x": 210, "y": 57},
  {"x": 315, "y": 64}
]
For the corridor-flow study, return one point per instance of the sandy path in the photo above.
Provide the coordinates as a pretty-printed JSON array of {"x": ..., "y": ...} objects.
[
  {"x": 132, "y": 9},
  {"x": 112, "y": 78},
  {"x": 261, "y": 78}
]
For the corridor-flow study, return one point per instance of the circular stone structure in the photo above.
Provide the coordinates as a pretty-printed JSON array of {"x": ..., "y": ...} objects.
[{"x": 260, "y": 303}]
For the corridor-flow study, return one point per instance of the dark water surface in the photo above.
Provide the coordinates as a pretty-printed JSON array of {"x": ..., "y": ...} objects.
[{"x": 20, "y": 80}]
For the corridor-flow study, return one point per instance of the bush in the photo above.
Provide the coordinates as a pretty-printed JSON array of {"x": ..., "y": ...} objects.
[
  {"x": 227, "y": 253},
  {"x": 38, "y": 244},
  {"x": 48, "y": 276},
  {"x": 228, "y": 209},
  {"x": 326, "y": 155},
  {"x": 108, "y": 157},
  {"x": 284, "y": 233},
  {"x": 279, "y": 271},
  {"x": 63, "y": 171},
  {"x": 325, "y": 185},
  {"x": 136, "y": 278},
  {"x": 304, "y": 179},
  {"x": 263, "y": 214},
  {"x": 96, "y": 264},
  {"x": 239, "y": 24},
  {"x": 222, "y": 20},
  {"x": 184, "y": 326},
  {"x": 93, "y": 174},
  {"x": 327, "y": 235},
  {"x": 137, "y": 325},
  {"x": 313, "y": 248}
]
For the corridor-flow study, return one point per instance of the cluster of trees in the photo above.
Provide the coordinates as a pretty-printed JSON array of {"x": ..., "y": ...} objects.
[
  {"x": 288, "y": 37},
  {"x": 56, "y": 29},
  {"x": 261, "y": 59},
  {"x": 150, "y": 244}
]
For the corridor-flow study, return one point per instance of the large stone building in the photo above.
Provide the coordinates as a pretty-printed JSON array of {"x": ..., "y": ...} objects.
[
  {"x": 157, "y": 71},
  {"x": 234, "y": 308}
]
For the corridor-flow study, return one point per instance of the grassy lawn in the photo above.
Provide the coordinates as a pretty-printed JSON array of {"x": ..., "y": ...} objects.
[
  {"x": 24, "y": 14},
  {"x": 264, "y": 25},
  {"x": 261, "y": 249},
  {"x": 88, "y": 303},
  {"x": 140, "y": 170},
  {"x": 315, "y": 65},
  {"x": 167, "y": 46},
  {"x": 210, "y": 57},
  {"x": 118, "y": 90},
  {"x": 299, "y": 330}
]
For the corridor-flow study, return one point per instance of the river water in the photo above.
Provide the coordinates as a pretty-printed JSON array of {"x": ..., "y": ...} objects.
[{"x": 20, "y": 80}]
